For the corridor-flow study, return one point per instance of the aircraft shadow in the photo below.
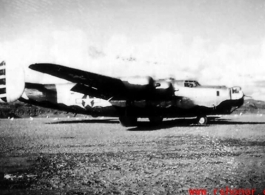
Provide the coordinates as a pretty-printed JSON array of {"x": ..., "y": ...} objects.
[
  {"x": 105, "y": 121},
  {"x": 229, "y": 122},
  {"x": 147, "y": 126}
]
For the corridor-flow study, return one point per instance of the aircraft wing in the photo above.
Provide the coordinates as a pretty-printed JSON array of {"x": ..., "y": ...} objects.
[{"x": 97, "y": 85}]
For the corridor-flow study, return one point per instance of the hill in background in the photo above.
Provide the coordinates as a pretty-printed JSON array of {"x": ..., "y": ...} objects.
[
  {"x": 19, "y": 109},
  {"x": 252, "y": 106}
]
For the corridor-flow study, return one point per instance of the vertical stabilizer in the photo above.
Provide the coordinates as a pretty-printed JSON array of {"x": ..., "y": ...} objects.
[
  {"x": 3, "y": 81},
  {"x": 12, "y": 82}
]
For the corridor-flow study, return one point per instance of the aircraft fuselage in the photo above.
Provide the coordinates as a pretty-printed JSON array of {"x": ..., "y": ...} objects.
[
  {"x": 127, "y": 98},
  {"x": 186, "y": 101}
]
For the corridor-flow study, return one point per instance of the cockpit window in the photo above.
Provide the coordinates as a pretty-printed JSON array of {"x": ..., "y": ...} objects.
[
  {"x": 191, "y": 84},
  {"x": 236, "y": 89}
]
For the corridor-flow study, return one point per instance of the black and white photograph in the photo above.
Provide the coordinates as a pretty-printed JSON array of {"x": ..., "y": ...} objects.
[{"x": 149, "y": 97}]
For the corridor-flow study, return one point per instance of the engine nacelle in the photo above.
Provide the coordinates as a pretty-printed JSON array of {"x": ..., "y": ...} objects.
[
  {"x": 12, "y": 83},
  {"x": 164, "y": 89},
  {"x": 138, "y": 81},
  {"x": 164, "y": 85},
  {"x": 139, "y": 87}
]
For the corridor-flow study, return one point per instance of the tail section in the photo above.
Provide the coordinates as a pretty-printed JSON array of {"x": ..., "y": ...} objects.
[
  {"x": 3, "y": 82},
  {"x": 12, "y": 82}
]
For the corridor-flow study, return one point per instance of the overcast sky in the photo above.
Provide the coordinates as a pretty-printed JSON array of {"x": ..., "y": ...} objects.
[{"x": 215, "y": 42}]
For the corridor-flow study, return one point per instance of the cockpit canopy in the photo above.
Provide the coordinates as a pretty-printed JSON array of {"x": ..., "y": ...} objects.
[
  {"x": 191, "y": 83},
  {"x": 236, "y": 89},
  {"x": 187, "y": 83}
]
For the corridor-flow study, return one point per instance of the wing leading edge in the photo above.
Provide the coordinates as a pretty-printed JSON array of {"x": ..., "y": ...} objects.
[{"x": 98, "y": 85}]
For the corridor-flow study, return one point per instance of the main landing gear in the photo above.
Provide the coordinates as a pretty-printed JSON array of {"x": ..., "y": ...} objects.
[
  {"x": 128, "y": 121},
  {"x": 156, "y": 120},
  {"x": 202, "y": 120}
]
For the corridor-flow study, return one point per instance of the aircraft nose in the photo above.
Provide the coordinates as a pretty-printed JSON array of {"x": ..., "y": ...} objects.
[
  {"x": 236, "y": 93},
  {"x": 241, "y": 101}
]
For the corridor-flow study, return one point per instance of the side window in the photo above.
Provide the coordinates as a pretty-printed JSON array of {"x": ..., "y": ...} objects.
[
  {"x": 191, "y": 84},
  {"x": 217, "y": 93},
  {"x": 235, "y": 90}
]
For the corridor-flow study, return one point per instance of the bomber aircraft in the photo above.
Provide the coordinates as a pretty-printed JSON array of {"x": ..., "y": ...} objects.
[{"x": 126, "y": 98}]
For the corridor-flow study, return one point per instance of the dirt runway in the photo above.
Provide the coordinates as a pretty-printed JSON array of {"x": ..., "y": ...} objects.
[{"x": 99, "y": 156}]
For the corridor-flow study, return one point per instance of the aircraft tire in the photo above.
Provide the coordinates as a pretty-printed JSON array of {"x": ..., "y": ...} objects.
[
  {"x": 20, "y": 113},
  {"x": 156, "y": 120},
  {"x": 202, "y": 120},
  {"x": 127, "y": 121}
]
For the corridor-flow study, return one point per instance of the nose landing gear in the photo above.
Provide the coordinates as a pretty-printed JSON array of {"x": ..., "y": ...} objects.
[
  {"x": 202, "y": 120},
  {"x": 128, "y": 121}
]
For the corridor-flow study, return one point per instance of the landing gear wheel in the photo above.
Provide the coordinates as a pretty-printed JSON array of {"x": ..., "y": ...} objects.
[
  {"x": 128, "y": 121},
  {"x": 156, "y": 120},
  {"x": 202, "y": 120}
]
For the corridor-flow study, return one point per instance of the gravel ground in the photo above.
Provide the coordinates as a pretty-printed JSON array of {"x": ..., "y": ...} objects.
[{"x": 99, "y": 156}]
